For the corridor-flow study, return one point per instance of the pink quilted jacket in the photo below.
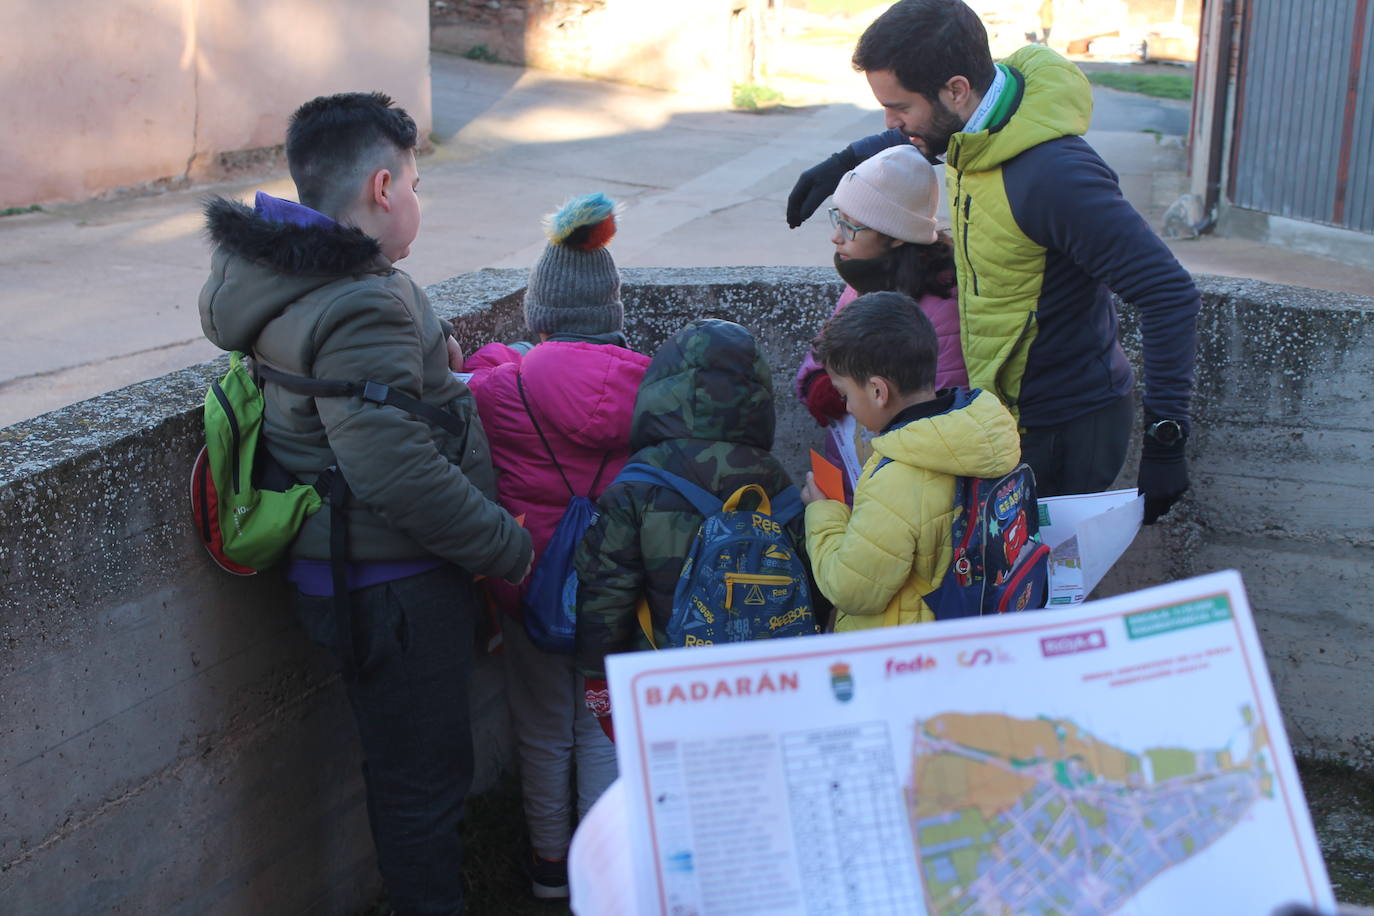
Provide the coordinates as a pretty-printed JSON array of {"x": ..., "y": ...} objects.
[
  {"x": 583, "y": 395},
  {"x": 943, "y": 313}
]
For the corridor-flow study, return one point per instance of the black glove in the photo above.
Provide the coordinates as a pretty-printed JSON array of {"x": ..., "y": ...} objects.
[
  {"x": 816, "y": 184},
  {"x": 1163, "y": 474}
]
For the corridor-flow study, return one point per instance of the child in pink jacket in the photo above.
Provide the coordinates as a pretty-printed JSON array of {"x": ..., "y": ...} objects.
[
  {"x": 886, "y": 240},
  {"x": 579, "y": 383}
]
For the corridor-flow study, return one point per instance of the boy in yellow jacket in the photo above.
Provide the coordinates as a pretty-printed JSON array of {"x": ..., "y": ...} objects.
[{"x": 877, "y": 562}]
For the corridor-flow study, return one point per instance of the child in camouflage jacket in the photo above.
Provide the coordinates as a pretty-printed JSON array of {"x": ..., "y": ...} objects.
[{"x": 705, "y": 413}]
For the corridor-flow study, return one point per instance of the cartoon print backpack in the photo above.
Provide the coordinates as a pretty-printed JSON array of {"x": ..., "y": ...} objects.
[
  {"x": 999, "y": 562},
  {"x": 742, "y": 578},
  {"x": 549, "y": 605}
]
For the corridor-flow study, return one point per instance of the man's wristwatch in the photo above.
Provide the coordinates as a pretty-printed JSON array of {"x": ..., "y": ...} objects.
[{"x": 1165, "y": 432}]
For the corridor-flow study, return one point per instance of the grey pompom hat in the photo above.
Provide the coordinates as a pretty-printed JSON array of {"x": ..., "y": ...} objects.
[{"x": 574, "y": 287}]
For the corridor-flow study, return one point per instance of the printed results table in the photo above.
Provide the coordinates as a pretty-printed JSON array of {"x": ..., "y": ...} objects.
[
  {"x": 723, "y": 843},
  {"x": 847, "y": 812}
]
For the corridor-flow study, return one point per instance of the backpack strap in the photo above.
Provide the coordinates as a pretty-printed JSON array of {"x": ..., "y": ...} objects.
[
  {"x": 331, "y": 482},
  {"x": 702, "y": 500},
  {"x": 787, "y": 505},
  {"x": 765, "y": 505},
  {"x": 520, "y": 386},
  {"x": 375, "y": 392}
]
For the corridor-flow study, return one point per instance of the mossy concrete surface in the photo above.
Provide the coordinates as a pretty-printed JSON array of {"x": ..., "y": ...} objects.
[{"x": 1341, "y": 799}]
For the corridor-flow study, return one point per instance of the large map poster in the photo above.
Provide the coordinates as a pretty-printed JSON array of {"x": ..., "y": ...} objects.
[{"x": 1122, "y": 756}]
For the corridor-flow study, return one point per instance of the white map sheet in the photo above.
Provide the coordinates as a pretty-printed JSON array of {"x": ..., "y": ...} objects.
[
  {"x": 1122, "y": 756},
  {"x": 1087, "y": 534}
]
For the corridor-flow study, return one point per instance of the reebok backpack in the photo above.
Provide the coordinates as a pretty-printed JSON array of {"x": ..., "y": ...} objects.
[
  {"x": 999, "y": 562},
  {"x": 549, "y": 605},
  {"x": 246, "y": 508},
  {"x": 742, "y": 578}
]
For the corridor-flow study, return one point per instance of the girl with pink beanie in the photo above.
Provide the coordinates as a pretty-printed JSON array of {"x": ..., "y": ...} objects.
[
  {"x": 557, "y": 417},
  {"x": 886, "y": 239}
]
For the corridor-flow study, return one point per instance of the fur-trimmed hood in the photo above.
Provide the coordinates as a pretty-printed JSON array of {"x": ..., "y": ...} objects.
[
  {"x": 287, "y": 248},
  {"x": 260, "y": 266}
]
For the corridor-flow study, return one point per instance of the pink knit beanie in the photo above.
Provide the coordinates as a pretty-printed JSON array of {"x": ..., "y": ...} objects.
[{"x": 894, "y": 192}]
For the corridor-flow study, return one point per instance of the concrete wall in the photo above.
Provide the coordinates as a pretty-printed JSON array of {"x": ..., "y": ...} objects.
[
  {"x": 701, "y": 47},
  {"x": 129, "y": 92},
  {"x": 170, "y": 743},
  {"x": 1282, "y": 461}
]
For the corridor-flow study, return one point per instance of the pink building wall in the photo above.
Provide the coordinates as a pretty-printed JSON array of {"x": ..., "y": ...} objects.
[
  {"x": 123, "y": 93},
  {"x": 700, "y": 47}
]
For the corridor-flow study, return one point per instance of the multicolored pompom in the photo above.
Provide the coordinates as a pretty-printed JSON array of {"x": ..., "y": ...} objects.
[{"x": 585, "y": 223}]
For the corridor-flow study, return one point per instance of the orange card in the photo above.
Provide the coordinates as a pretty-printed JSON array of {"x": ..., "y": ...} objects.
[{"x": 828, "y": 477}]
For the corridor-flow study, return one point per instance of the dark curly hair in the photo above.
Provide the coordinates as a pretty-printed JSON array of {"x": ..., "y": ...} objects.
[
  {"x": 919, "y": 270},
  {"x": 881, "y": 334},
  {"x": 925, "y": 43}
]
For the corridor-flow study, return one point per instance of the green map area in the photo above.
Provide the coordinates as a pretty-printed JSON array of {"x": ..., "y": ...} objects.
[{"x": 1036, "y": 816}]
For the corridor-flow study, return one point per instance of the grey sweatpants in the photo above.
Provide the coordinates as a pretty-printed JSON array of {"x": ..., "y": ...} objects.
[{"x": 562, "y": 748}]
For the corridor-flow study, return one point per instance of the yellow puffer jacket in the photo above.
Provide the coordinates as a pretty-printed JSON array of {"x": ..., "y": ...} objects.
[
  {"x": 1000, "y": 269},
  {"x": 878, "y": 562}
]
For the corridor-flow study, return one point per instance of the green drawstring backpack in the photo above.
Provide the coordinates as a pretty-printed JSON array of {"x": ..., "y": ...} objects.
[{"x": 247, "y": 508}]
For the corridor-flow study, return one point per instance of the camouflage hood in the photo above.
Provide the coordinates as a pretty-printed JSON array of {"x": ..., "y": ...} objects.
[{"x": 708, "y": 381}]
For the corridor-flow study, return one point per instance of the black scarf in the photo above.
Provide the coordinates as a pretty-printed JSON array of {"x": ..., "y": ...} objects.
[{"x": 866, "y": 275}]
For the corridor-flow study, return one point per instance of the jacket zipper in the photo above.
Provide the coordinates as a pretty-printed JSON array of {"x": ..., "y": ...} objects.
[
  {"x": 733, "y": 579},
  {"x": 1028, "y": 566},
  {"x": 233, "y": 430},
  {"x": 973, "y": 274}
]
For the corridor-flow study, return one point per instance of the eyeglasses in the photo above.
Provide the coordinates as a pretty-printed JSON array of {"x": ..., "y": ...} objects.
[{"x": 850, "y": 230}]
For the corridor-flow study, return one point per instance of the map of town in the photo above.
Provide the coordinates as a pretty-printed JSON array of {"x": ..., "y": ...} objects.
[{"x": 1036, "y": 816}]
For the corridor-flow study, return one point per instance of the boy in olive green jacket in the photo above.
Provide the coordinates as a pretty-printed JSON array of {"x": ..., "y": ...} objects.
[{"x": 311, "y": 289}]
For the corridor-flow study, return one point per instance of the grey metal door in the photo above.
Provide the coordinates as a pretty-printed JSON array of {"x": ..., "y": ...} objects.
[{"x": 1304, "y": 140}]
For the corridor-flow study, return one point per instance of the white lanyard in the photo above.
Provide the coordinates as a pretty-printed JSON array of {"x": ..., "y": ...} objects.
[{"x": 984, "y": 109}]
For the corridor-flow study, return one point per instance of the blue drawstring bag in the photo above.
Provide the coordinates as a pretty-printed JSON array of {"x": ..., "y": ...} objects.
[{"x": 549, "y": 606}]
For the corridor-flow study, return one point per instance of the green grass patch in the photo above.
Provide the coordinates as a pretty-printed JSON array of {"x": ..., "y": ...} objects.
[
  {"x": 15, "y": 211},
  {"x": 482, "y": 53},
  {"x": 1158, "y": 85},
  {"x": 753, "y": 97}
]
